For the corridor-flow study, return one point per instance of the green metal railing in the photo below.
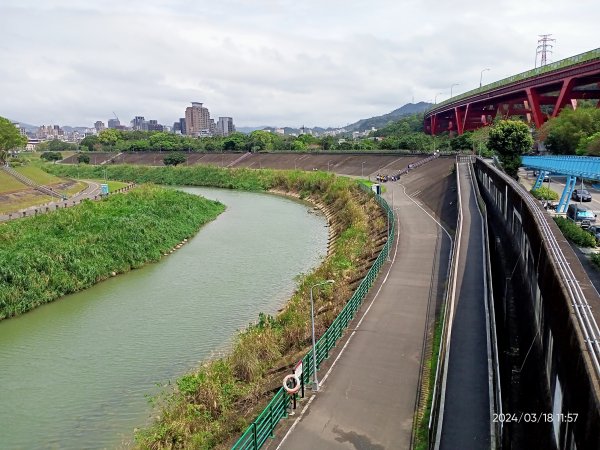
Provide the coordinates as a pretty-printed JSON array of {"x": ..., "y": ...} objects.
[
  {"x": 563, "y": 63},
  {"x": 262, "y": 428}
]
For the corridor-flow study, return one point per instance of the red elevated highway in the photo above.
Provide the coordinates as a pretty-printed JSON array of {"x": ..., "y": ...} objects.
[{"x": 535, "y": 96}]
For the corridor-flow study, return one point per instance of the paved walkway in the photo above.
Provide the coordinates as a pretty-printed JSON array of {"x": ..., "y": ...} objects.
[
  {"x": 369, "y": 400},
  {"x": 466, "y": 422}
]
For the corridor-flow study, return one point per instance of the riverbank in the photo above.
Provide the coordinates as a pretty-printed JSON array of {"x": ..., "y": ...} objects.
[
  {"x": 216, "y": 402},
  {"x": 46, "y": 257}
]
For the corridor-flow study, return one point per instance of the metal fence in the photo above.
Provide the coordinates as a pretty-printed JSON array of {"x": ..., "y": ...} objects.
[{"x": 262, "y": 428}]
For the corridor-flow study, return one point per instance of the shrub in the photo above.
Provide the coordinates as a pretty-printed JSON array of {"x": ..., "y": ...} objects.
[
  {"x": 575, "y": 233},
  {"x": 596, "y": 259},
  {"x": 544, "y": 193}
]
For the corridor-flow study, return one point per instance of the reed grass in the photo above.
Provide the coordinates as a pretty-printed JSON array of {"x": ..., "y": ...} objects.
[{"x": 45, "y": 257}]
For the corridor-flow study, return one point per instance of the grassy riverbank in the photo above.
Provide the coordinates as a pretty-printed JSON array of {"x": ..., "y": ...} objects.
[
  {"x": 217, "y": 401},
  {"x": 45, "y": 257}
]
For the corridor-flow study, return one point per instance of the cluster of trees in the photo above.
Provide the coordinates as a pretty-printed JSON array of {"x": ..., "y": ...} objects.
[
  {"x": 51, "y": 156},
  {"x": 56, "y": 145},
  {"x": 573, "y": 131},
  {"x": 405, "y": 134},
  {"x": 124, "y": 141}
]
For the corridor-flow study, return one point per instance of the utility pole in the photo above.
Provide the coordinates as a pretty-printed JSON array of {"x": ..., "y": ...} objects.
[{"x": 543, "y": 49}]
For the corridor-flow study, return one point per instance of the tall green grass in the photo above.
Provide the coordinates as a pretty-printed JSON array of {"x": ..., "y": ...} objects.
[
  {"x": 45, "y": 257},
  {"x": 215, "y": 402}
]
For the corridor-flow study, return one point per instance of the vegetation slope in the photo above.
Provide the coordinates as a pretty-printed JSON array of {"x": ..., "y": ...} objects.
[{"x": 45, "y": 257}]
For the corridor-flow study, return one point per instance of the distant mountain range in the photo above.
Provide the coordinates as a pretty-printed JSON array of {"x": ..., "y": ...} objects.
[
  {"x": 381, "y": 121},
  {"x": 361, "y": 125}
]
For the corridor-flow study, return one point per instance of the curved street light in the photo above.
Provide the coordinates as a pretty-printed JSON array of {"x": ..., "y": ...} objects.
[
  {"x": 435, "y": 98},
  {"x": 314, "y": 345},
  {"x": 481, "y": 75},
  {"x": 455, "y": 84}
]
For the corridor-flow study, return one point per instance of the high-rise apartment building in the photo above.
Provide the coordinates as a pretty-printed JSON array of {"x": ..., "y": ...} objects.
[
  {"x": 139, "y": 123},
  {"x": 99, "y": 126},
  {"x": 225, "y": 126},
  {"x": 114, "y": 123},
  {"x": 197, "y": 120},
  {"x": 153, "y": 125}
]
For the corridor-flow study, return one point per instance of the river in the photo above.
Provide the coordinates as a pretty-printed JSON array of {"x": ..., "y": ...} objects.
[{"x": 77, "y": 373}]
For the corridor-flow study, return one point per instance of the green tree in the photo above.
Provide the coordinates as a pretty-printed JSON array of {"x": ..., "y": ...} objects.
[
  {"x": 174, "y": 159},
  {"x": 82, "y": 158},
  {"x": 163, "y": 141},
  {"x": 590, "y": 145},
  {"x": 260, "y": 140},
  {"x": 480, "y": 139},
  {"x": 56, "y": 145},
  {"x": 89, "y": 142},
  {"x": 509, "y": 139},
  {"x": 51, "y": 156},
  {"x": 10, "y": 138},
  {"x": 564, "y": 134},
  {"x": 234, "y": 142},
  {"x": 462, "y": 142},
  {"x": 299, "y": 145},
  {"x": 327, "y": 142},
  {"x": 109, "y": 137}
]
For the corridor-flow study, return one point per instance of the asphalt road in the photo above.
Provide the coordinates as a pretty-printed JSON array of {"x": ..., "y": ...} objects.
[
  {"x": 557, "y": 184},
  {"x": 367, "y": 399}
]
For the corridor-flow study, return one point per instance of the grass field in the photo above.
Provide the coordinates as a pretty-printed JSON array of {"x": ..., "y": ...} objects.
[
  {"x": 9, "y": 184},
  {"x": 38, "y": 175},
  {"x": 24, "y": 200}
]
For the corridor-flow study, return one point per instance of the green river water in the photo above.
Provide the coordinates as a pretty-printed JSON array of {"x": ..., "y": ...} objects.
[{"x": 77, "y": 373}]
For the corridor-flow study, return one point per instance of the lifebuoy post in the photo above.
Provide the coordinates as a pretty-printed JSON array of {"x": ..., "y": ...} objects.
[{"x": 291, "y": 384}]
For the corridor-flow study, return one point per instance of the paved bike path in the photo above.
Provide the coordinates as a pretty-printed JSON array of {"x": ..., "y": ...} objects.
[
  {"x": 368, "y": 401},
  {"x": 466, "y": 415}
]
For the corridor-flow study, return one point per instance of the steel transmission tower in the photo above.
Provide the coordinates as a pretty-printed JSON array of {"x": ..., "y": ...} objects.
[{"x": 544, "y": 48}]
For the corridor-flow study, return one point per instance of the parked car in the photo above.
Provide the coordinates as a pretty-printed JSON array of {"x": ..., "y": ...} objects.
[
  {"x": 546, "y": 177},
  {"x": 581, "y": 195},
  {"x": 595, "y": 231},
  {"x": 581, "y": 215}
]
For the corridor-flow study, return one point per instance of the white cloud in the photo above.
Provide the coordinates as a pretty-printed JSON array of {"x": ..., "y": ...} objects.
[{"x": 283, "y": 62}]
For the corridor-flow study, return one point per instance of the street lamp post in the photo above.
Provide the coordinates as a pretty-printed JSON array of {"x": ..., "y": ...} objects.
[
  {"x": 481, "y": 76},
  {"x": 314, "y": 345},
  {"x": 455, "y": 84},
  {"x": 435, "y": 98}
]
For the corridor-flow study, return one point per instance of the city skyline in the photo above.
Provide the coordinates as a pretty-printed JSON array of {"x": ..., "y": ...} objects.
[{"x": 275, "y": 63}]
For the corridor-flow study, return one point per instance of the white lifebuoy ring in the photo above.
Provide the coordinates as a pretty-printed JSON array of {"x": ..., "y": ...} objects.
[{"x": 291, "y": 390}]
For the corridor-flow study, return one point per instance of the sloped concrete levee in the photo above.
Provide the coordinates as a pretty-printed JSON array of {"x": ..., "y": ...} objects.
[{"x": 546, "y": 308}]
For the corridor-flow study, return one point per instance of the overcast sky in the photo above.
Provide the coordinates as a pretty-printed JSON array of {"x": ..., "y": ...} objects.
[{"x": 267, "y": 62}]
